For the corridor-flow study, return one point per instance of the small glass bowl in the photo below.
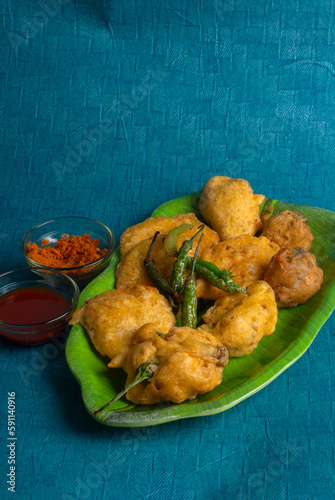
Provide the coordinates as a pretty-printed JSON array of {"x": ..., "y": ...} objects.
[
  {"x": 53, "y": 230},
  {"x": 38, "y": 333}
]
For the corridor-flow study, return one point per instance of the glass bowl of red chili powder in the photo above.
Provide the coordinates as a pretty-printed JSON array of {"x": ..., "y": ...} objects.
[
  {"x": 76, "y": 246},
  {"x": 35, "y": 305}
]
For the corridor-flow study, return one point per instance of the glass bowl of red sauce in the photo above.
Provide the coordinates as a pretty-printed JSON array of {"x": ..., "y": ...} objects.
[
  {"x": 35, "y": 305},
  {"x": 76, "y": 246}
]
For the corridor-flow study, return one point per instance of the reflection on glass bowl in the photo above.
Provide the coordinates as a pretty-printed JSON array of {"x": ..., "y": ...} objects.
[{"x": 35, "y": 304}]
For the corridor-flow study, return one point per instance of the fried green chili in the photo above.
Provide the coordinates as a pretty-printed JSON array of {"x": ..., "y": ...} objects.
[
  {"x": 215, "y": 276},
  {"x": 158, "y": 280},
  {"x": 144, "y": 372},
  {"x": 190, "y": 302},
  {"x": 170, "y": 241},
  {"x": 178, "y": 271}
]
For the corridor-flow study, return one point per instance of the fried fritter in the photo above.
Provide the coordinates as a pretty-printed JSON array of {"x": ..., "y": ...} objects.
[
  {"x": 230, "y": 207},
  {"x": 186, "y": 362},
  {"x": 294, "y": 276},
  {"x": 113, "y": 316},
  {"x": 131, "y": 268},
  {"x": 247, "y": 257},
  {"x": 146, "y": 229},
  {"x": 240, "y": 321},
  {"x": 288, "y": 229}
]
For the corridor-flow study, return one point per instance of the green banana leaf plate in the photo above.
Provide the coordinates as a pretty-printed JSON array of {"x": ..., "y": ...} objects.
[{"x": 295, "y": 331}]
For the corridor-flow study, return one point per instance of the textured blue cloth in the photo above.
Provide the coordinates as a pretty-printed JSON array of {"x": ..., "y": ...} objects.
[{"x": 108, "y": 109}]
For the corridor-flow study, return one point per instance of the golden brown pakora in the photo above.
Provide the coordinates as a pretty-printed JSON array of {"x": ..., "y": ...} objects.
[
  {"x": 294, "y": 276},
  {"x": 131, "y": 268},
  {"x": 230, "y": 206},
  {"x": 146, "y": 229},
  {"x": 113, "y": 316},
  {"x": 239, "y": 321},
  {"x": 288, "y": 229},
  {"x": 247, "y": 257},
  {"x": 186, "y": 362}
]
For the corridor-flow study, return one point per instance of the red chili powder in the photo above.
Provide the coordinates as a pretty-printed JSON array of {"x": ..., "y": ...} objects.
[{"x": 68, "y": 251}]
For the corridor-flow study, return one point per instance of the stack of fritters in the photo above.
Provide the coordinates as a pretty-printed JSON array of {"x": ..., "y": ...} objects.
[{"x": 134, "y": 324}]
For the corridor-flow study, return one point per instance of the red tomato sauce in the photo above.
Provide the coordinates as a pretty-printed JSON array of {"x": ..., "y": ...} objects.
[{"x": 31, "y": 304}]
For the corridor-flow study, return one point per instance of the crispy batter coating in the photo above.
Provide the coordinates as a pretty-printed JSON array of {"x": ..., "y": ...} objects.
[
  {"x": 146, "y": 229},
  {"x": 113, "y": 316},
  {"x": 246, "y": 256},
  {"x": 131, "y": 268},
  {"x": 230, "y": 206},
  {"x": 288, "y": 229},
  {"x": 240, "y": 321},
  {"x": 186, "y": 362},
  {"x": 294, "y": 276}
]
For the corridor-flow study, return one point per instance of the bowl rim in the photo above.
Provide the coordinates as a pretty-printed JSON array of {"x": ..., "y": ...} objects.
[
  {"x": 56, "y": 319},
  {"x": 94, "y": 263}
]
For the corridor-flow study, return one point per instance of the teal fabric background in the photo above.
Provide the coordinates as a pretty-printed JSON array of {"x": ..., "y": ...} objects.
[{"x": 108, "y": 109}]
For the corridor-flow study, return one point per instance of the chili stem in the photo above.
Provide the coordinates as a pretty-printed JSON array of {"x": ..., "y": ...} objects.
[
  {"x": 158, "y": 280},
  {"x": 144, "y": 372}
]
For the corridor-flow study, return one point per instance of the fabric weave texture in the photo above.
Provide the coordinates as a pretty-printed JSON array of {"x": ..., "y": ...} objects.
[{"x": 109, "y": 109}]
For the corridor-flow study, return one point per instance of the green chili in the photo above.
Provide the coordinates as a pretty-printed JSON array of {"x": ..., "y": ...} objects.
[
  {"x": 190, "y": 302},
  {"x": 220, "y": 278},
  {"x": 144, "y": 372},
  {"x": 158, "y": 280},
  {"x": 170, "y": 241},
  {"x": 178, "y": 271}
]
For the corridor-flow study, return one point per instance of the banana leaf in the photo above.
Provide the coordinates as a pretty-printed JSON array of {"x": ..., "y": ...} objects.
[{"x": 295, "y": 331}]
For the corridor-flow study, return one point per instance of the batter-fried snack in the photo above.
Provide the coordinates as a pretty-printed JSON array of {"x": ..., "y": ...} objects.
[
  {"x": 186, "y": 362},
  {"x": 230, "y": 207},
  {"x": 294, "y": 276},
  {"x": 146, "y": 229},
  {"x": 240, "y": 321},
  {"x": 288, "y": 229},
  {"x": 113, "y": 316},
  {"x": 247, "y": 257},
  {"x": 131, "y": 270}
]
